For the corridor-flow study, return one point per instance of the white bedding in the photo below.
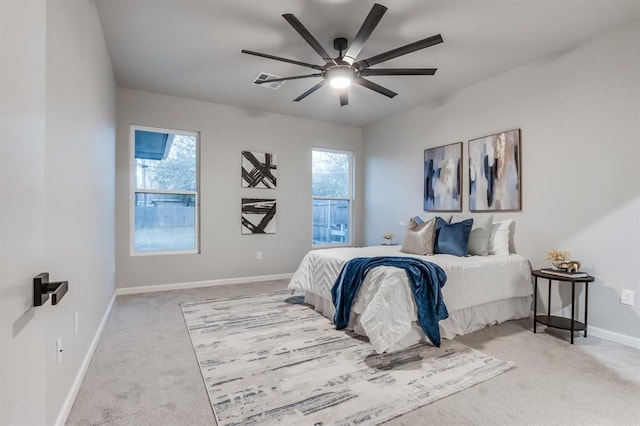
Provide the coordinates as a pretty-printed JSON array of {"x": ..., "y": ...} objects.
[{"x": 480, "y": 290}]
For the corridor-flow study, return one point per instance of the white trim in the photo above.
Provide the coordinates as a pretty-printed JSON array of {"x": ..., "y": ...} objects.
[
  {"x": 623, "y": 339},
  {"x": 157, "y": 129},
  {"x": 165, "y": 191},
  {"x": 317, "y": 197},
  {"x": 75, "y": 387},
  {"x": 612, "y": 336},
  {"x": 199, "y": 284},
  {"x": 164, "y": 253}
]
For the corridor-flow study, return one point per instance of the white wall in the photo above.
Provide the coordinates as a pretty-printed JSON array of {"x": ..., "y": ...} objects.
[
  {"x": 80, "y": 183},
  {"x": 22, "y": 336},
  {"x": 58, "y": 167},
  {"x": 580, "y": 118},
  {"x": 224, "y": 133}
]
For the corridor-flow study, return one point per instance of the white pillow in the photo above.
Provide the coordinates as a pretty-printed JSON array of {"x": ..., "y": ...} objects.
[
  {"x": 499, "y": 238},
  {"x": 480, "y": 233}
]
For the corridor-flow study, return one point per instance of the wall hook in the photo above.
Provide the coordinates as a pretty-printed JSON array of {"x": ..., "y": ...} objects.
[{"x": 42, "y": 288}]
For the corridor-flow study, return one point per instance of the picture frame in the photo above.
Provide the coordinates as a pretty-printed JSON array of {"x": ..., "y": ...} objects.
[
  {"x": 495, "y": 172},
  {"x": 258, "y": 216},
  {"x": 259, "y": 170},
  {"x": 442, "y": 178}
]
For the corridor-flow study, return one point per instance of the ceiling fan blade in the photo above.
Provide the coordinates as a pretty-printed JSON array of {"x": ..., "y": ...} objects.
[
  {"x": 297, "y": 25},
  {"x": 278, "y": 58},
  {"x": 369, "y": 24},
  {"x": 310, "y": 91},
  {"x": 344, "y": 97},
  {"x": 295, "y": 77},
  {"x": 375, "y": 87},
  {"x": 398, "y": 71},
  {"x": 403, "y": 50}
]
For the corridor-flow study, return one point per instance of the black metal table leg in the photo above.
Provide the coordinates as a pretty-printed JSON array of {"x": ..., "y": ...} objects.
[
  {"x": 573, "y": 296},
  {"x": 549, "y": 300},
  {"x": 535, "y": 303},
  {"x": 586, "y": 305}
]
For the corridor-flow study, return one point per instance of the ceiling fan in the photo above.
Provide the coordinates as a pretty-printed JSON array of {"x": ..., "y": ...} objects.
[{"x": 345, "y": 69}]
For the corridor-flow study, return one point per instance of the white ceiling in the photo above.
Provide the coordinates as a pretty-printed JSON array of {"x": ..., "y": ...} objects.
[{"x": 192, "y": 48}]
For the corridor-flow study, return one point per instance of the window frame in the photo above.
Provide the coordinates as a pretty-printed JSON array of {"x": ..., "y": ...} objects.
[
  {"x": 133, "y": 190},
  {"x": 350, "y": 198}
]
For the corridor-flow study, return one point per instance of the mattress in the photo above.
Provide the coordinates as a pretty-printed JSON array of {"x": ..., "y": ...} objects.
[{"x": 480, "y": 290}]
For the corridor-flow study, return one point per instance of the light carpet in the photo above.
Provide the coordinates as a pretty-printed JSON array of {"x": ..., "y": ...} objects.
[{"x": 271, "y": 359}]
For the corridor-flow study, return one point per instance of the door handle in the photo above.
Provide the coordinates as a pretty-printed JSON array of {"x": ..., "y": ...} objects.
[{"x": 43, "y": 288}]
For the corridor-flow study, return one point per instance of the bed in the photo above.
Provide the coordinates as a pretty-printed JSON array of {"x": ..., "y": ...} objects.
[{"x": 480, "y": 291}]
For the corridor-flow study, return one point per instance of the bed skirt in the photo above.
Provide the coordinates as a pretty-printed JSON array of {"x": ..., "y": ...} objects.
[{"x": 460, "y": 322}]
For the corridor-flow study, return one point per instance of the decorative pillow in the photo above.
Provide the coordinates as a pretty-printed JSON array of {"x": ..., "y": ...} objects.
[
  {"x": 452, "y": 238},
  {"x": 512, "y": 233},
  {"x": 499, "y": 238},
  {"x": 480, "y": 233},
  {"x": 446, "y": 218},
  {"x": 419, "y": 238}
]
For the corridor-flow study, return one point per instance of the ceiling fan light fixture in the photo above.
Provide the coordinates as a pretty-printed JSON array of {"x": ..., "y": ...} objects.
[
  {"x": 340, "y": 72},
  {"x": 340, "y": 82},
  {"x": 340, "y": 76}
]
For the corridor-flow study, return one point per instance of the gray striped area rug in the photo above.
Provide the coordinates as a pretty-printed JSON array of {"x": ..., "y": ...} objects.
[{"x": 270, "y": 359}]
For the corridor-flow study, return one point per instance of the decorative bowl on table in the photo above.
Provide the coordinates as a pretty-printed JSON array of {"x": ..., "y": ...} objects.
[
  {"x": 559, "y": 258},
  {"x": 559, "y": 264},
  {"x": 566, "y": 265}
]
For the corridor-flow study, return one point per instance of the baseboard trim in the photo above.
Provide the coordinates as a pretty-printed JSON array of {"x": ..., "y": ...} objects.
[
  {"x": 75, "y": 387},
  {"x": 623, "y": 339},
  {"x": 199, "y": 284}
]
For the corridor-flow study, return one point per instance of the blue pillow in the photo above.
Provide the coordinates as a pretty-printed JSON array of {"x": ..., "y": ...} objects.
[
  {"x": 418, "y": 220},
  {"x": 452, "y": 238}
]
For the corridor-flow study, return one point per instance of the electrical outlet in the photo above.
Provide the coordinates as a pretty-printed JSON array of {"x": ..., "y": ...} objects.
[
  {"x": 626, "y": 297},
  {"x": 76, "y": 322},
  {"x": 259, "y": 255},
  {"x": 59, "y": 349},
  {"x": 401, "y": 223}
]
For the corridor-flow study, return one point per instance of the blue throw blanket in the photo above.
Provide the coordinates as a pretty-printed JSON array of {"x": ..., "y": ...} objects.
[{"x": 426, "y": 279}]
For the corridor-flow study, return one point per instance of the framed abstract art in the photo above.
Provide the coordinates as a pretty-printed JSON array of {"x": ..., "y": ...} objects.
[
  {"x": 258, "y": 216},
  {"x": 443, "y": 178},
  {"x": 494, "y": 172},
  {"x": 259, "y": 170}
]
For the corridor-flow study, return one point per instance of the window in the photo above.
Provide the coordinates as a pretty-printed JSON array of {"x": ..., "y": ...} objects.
[
  {"x": 164, "y": 195},
  {"x": 332, "y": 183}
]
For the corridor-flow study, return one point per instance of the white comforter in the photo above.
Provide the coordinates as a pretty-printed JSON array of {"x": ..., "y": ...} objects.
[{"x": 384, "y": 309}]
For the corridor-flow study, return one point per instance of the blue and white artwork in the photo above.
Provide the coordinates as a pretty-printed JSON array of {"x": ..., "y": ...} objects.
[
  {"x": 494, "y": 172},
  {"x": 443, "y": 178}
]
